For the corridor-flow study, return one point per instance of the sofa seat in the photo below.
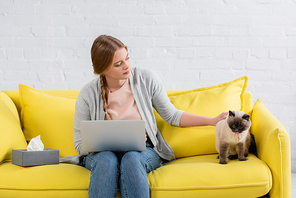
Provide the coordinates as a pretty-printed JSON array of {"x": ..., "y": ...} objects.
[
  {"x": 203, "y": 176},
  {"x": 198, "y": 176},
  {"x": 61, "y": 180}
]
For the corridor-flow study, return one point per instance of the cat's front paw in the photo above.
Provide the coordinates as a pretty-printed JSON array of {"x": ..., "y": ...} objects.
[
  {"x": 221, "y": 161},
  {"x": 243, "y": 159}
]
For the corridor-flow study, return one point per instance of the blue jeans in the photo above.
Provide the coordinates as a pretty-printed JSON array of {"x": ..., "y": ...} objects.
[{"x": 128, "y": 170}]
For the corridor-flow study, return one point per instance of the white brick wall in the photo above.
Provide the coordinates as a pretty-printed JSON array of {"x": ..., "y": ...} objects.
[{"x": 189, "y": 43}]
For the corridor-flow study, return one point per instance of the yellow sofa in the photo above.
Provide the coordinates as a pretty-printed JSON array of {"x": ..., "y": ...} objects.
[{"x": 27, "y": 112}]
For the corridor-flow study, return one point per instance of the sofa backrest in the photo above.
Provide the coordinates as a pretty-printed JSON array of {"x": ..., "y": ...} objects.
[
  {"x": 248, "y": 103},
  {"x": 207, "y": 135},
  {"x": 15, "y": 97}
]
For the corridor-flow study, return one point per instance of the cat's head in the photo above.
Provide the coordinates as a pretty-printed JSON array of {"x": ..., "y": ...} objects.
[{"x": 238, "y": 121}]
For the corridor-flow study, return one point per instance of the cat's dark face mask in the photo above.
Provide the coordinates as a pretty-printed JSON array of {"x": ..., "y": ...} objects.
[
  {"x": 237, "y": 123},
  {"x": 237, "y": 127}
]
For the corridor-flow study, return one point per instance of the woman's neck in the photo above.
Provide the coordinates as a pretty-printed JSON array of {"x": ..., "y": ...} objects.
[{"x": 113, "y": 85}]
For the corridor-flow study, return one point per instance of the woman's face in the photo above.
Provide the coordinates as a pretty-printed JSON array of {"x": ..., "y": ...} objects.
[{"x": 120, "y": 69}]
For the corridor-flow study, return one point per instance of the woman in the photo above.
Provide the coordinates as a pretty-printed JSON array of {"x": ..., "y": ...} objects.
[{"x": 125, "y": 93}]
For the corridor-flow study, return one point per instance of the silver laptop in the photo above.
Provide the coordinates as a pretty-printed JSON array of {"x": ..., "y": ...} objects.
[{"x": 113, "y": 135}]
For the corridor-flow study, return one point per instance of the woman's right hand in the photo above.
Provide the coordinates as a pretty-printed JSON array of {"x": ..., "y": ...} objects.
[{"x": 220, "y": 117}]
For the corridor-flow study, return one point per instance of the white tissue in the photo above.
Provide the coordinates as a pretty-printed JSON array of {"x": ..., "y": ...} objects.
[{"x": 35, "y": 144}]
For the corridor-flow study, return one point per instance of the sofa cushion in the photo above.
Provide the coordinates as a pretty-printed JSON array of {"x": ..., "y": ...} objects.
[
  {"x": 14, "y": 95},
  {"x": 61, "y": 180},
  {"x": 49, "y": 116},
  {"x": 208, "y": 101},
  {"x": 10, "y": 104},
  {"x": 203, "y": 176},
  {"x": 11, "y": 133}
]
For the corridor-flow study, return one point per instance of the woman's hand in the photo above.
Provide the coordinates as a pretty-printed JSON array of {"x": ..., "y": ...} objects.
[{"x": 220, "y": 117}]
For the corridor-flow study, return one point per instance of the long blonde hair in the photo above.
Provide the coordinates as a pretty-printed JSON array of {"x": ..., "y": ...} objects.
[{"x": 102, "y": 56}]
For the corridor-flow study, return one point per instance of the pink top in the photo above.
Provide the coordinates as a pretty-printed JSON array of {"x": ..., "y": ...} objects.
[{"x": 122, "y": 104}]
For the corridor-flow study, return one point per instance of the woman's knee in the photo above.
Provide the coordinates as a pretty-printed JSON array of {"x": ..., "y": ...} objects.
[
  {"x": 145, "y": 161},
  {"x": 102, "y": 159},
  {"x": 132, "y": 156},
  {"x": 132, "y": 160}
]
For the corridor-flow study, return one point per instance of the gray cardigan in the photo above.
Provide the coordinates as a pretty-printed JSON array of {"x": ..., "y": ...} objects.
[{"x": 148, "y": 93}]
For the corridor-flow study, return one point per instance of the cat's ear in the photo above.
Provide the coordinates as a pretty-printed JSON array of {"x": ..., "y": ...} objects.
[
  {"x": 246, "y": 117},
  {"x": 231, "y": 113}
]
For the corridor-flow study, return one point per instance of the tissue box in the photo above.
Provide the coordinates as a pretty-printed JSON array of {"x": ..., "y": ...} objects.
[{"x": 23, "y": 157}]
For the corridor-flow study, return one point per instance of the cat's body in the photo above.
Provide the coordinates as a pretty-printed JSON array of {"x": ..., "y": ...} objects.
[{"x": 233, "y": 138}]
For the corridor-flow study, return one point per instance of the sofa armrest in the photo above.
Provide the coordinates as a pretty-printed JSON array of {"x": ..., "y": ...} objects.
[{"x": 273, "y": 147}]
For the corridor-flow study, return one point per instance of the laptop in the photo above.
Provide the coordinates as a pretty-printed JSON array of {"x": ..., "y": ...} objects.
[{"x": 113, "y": 135}]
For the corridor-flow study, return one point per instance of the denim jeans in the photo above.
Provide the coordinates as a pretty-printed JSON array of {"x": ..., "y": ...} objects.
[{"x": 126, "y": 170}]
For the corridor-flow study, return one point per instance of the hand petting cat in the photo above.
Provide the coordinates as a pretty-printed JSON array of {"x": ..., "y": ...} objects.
[{"x": 220, "y": 117}]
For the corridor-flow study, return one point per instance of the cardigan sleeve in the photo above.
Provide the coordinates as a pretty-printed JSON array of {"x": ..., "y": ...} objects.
[
  {"x": 161, "y": 102},
  {"x": 82, "y": 112}
]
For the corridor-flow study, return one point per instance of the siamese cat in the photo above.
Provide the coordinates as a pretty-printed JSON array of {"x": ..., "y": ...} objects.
[{"x": 233, "y": 138}]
